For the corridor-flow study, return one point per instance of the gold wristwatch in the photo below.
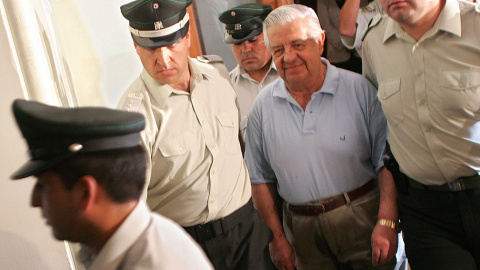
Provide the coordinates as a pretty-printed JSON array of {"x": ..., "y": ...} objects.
[{"x": 393, "y": 224}]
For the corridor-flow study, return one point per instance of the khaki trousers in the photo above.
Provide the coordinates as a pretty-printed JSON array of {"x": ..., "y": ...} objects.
[{"x": 338, "y": 239}]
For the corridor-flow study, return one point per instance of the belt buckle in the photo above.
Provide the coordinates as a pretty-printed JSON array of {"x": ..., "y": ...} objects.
[
  {"x": 203, "y": 232},
  {"x": 323, "y": 209},
  {"x": 456, "y": 185}
]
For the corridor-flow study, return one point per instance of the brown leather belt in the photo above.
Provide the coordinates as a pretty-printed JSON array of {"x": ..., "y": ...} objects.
[{"x": 340, "y": 200}]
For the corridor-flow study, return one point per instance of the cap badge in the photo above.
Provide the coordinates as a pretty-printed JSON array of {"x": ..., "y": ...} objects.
[
  {"x": 155, "y": 6},
  {"x": 238, "y": 26},
  {"x": 233, "y": 13},
  {"x": 158, "y": 25},
  {"x": 75, "y": 147}
]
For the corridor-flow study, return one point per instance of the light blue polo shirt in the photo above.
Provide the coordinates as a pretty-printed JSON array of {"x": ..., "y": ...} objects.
[{"x": 336, "y": 145}]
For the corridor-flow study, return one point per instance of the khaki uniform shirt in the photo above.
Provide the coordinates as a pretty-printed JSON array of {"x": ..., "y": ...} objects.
[
  {"x": 146, "y": 240},
  {"x": 197, "y": 172},
  {"x": 247, "y": 90},
  {"x": 430, "y": 92}
]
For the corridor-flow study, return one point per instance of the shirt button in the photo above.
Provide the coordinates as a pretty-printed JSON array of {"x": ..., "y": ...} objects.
[
  {"x": 422, "y": 102},
  {"x": 303, "y": 113},
  {"x": 429, "y": 129},
  {"x": 461, "y": 85},
  {"x": 180, "y": 148}
]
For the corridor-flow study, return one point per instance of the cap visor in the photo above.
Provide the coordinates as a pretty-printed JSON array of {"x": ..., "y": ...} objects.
[
  {"x": 229, "y": 38},
  {"x": 34, "y": 167}
]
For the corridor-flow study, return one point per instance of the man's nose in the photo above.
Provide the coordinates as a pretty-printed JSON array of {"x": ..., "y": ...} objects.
[
  {"x": 247, "y": 46},
  {"x": 289, "y": 55},
  {"x": 35, "y": 200},
  {"x": 162, "y": 55}
]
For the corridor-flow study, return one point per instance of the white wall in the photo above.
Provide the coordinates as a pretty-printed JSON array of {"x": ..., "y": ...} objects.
[
  {"x": 97, "y": 49},
  {"x": 25, "y": 241}
]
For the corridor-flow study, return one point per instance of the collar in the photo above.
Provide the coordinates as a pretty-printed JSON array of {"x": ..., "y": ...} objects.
[
  {"x": 330, "y": 84},
  {"x": 161, "y": 92},
  {"x": 125, "y": 236},
  {"x": 242, "y": 72},
  {"x": 448, "y": 20}
]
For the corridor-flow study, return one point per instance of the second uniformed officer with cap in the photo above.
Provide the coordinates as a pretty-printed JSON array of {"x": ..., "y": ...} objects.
[
  {"x": 255, "y": 69},
  {"x": 90, "y": 170},
  {"x": 196, "y": 173}
]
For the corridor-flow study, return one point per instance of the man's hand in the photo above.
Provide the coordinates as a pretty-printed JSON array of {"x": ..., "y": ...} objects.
[
  {"x": 384, "y": 245},
  {"x": 282, "y": 254}
]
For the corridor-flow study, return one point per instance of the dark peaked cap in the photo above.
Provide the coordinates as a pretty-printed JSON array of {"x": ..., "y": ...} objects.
[
  {"x": 157, "y": 23},
  {"x": 54, "y": 134},
  {"x": 244, "y": 22}
]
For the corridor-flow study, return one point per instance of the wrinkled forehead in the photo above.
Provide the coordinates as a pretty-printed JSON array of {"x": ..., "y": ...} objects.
[{"x": 288, "y": 33}]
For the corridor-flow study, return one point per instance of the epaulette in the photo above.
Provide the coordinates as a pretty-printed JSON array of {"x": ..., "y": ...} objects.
[
  {"x": 210, "y": 58},
  {"x": 132, "y": 102},
  {"x": 373, "y": 22},
  {"x": 368, "y": 8}
]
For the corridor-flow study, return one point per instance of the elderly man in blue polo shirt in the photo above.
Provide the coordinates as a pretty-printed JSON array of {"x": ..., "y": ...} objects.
[{"x": 316, "y": 137}]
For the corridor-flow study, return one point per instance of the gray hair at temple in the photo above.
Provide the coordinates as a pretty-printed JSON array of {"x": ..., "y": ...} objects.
[{"x": 289, "y": 13}]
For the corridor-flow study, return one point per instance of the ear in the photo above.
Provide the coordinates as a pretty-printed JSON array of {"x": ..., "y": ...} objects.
[
  {"x": 321, "y": 43},
  {"x": 86, "y": 192},
  {"x": 323, "y": 38}
]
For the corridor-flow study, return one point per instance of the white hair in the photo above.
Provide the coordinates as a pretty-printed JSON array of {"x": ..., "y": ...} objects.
[{"x": 286, "y": 14}]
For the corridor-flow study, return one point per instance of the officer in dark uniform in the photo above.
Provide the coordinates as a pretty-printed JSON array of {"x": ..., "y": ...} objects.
[{"x": 196, "y": 173}]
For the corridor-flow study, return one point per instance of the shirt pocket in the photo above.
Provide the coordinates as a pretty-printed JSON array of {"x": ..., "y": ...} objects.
[
  {"x": 177, "y": 145},
  {"x": 390, "y": 96},
  {"x": 462, "y": 92},
  {"x": 229, "y": 122}
]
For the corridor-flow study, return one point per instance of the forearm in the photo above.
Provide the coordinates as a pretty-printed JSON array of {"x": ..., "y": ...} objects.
[
  {"x": 384, "y": 238},
  {"x": 264, "y": 198},
  {"x": 281, "y": 251},
  {"x": 388, "y": 196},
  {"x": 348, "y": 18}
]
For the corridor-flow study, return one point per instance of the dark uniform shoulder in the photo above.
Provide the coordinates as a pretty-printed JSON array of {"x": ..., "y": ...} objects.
[{"x": 210, "y": 58}]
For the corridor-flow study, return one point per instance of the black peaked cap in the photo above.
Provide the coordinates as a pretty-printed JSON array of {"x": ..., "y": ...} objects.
[
  {"x": 244, "y": 22},
  {"x": 54, "y": 134},
  {"x": 157, "y": 23}
]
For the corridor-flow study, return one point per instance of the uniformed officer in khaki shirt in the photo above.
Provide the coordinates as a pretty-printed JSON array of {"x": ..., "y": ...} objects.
[
  {"x": 425, "y": 59},
  {"x": 255, "y": 69},
  {"x": 197, "y": 176}
]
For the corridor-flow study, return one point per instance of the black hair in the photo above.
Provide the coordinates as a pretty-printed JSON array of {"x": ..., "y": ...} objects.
[{"x": 120, "y": 172}]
